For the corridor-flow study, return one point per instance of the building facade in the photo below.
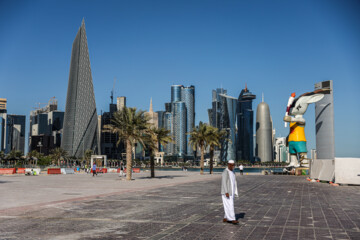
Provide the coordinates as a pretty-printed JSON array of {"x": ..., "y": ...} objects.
[
  {"x": 46, "y": 125},
  {"x": 245, "y": 126},
  {"x": 80, "y": 131},
  {"x": 16, "y": 133}
]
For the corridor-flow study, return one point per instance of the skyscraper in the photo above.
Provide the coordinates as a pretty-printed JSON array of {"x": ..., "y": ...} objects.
[
  {"x": 245, "y": 126},
  {"x": 230, "y": 104},
  {"x": 3, "y": 125},
  {"x": 264, "y": 145},
  {"x": 216, "y": 112},
  {"x": 16, "y": 136},
  {"x": 179, "y": 121},
  {"x": 80, "y": 120},
  {"x": 188, "y": 97}
]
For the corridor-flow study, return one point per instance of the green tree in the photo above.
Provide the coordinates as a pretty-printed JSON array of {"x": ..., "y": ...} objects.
[
  {"x": 155, "y": 137},
  {"x": 34, "y": 154},
  {"x": 87, "y": 156},
  {"x": 215, "y": 138},
  {"x": 131, "y": 126},
  {"x": 57, "y": 154},
  {"x": 14, "y": 154},
  {"x": 198, "y": 138}
]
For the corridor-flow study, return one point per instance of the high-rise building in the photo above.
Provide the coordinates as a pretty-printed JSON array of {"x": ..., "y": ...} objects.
[
  {"x": 188, "y": 97},
  {"x": 245, "y": 126},
  {"x": 3, "y": 125},
  {"x": 182, "y": 108},
  {"x": 217, "y": 117},
  {"x": 264, "y": 146},
  {"x": 46, "y": 126},
  {"x": 230, "y": 104},
  {"x": 16, "y": 136},
  {"x": 108, "y": 140},
  {"x": 121, "y": 103},
  {"x": 161, "y": 119},
  {"x": 80, "y": 120},
  {"x": 179, "y": 121},
  {"x": 280, "y": 150},
  {"x": 168, "y": 125}
]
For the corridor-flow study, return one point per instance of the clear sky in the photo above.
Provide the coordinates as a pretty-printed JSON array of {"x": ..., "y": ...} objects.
[{"x": 276, "y": 47}]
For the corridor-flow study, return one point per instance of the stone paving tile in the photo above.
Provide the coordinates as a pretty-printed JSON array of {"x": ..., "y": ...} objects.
[{"x": 269, "y": 207}]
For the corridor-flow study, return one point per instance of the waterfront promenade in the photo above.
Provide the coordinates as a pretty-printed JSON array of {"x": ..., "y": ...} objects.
[{"x": 175, "y": 205}]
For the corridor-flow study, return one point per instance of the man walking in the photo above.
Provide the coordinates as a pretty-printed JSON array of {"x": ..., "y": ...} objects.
[
  {"x": 94, "y": 169},
  {"x": 241, "y": 168},
  {"x": 228, "y": 190}
]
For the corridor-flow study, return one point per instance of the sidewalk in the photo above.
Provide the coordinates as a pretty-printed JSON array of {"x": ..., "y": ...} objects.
[{"x": 179, "y": 205}]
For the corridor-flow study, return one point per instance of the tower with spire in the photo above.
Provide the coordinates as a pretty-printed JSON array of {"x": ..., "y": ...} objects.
[
  {"x": 80, "y": 129},
  {"x": 153, "y": 116}
]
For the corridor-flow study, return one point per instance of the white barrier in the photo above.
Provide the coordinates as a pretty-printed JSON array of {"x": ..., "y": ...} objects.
[
  {"x": 347, "y": 170},
  {"x": 67, "y": 171}
]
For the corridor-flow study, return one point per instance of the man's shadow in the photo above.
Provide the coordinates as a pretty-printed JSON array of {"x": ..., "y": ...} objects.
[{"x": 239, "y": 215}]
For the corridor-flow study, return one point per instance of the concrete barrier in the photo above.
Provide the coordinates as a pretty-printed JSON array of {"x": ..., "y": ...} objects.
[
  {"x": 67, "y": 171},
  {"x": 54, "y": 171},
  {"x": 347, "y": 171},
  {"x": 7, "y": 170},
  {"x": 20, "y": 170},
  {"x": 112, "y": 170}
]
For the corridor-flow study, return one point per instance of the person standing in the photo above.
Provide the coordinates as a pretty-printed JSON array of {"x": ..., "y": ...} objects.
[
  {"x": 121, "y": 170},
  {"x": 228, "y": 190},
  {"x": 94, "y": 169},
  {"x": 241, "y": 168}
]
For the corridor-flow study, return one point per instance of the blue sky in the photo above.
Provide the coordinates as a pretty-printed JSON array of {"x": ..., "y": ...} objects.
[{"x": 276, "y": 47}]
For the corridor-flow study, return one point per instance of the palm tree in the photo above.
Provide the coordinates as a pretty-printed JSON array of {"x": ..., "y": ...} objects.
[
  {"x": 87, "y": 155},
  {"x": 34, "y": 155},
  {"x": 58, "y": 153},
  {"x": 198, "y": 138},
  {"x": 154, "y": 138},
  {"x": 214, "y": 139},
  {"x": 130, "y": 125}
]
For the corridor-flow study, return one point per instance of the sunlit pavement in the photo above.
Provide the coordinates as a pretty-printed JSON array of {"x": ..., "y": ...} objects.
[{"x": 175, "y": 205}]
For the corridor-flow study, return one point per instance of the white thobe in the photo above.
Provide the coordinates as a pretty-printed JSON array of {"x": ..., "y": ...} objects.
[{"x": 229, "y": 202}]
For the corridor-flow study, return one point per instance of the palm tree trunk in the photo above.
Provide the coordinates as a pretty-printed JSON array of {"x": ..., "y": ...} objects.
[
  {"x": 211, "y": 159},
  {"x": 128, "y": 159},
  {"x": 202, "y": 160},
  {"x": 152, "y": 164}
]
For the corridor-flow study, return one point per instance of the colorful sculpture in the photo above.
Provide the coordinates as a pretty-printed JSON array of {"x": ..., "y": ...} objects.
[{"x": 295, "y": 111}]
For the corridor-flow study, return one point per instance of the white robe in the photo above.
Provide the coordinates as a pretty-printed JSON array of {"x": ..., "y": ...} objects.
[{"x": 229, "y": 202}]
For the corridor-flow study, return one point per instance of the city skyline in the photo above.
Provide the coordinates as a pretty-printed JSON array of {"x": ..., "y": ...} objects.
[{"x": 275, "y": 48}]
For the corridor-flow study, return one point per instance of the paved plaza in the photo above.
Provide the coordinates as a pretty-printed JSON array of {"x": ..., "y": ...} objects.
[{"x": 175, "y": 205}]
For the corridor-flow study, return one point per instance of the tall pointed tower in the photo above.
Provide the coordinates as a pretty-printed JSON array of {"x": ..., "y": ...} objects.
[{"x": 80, "y": 119}]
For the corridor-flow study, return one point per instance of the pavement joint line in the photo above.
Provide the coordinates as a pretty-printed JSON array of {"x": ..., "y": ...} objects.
[
  {"x": 48, "y": 204},
  {"x": 180, "y": 223}
]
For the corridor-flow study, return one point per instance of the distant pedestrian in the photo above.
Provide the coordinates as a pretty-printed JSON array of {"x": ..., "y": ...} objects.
[
  {"x": 94, "y": 169},
  {"x": 241, "y": 168},
  {"x": 121, "y": 170},
  {"x": 228, "y": 190}
]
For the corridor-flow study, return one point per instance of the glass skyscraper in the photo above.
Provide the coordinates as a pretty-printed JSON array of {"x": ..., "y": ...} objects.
[
  {"x": 182, "y": 119},
  {"x": 230, "y": 114},
  {"x": 80, "y": 119},
  {"x": 179, "y": 120},
  {"x": 188, "y": 97},
  {"x": 245, "y": 126}
]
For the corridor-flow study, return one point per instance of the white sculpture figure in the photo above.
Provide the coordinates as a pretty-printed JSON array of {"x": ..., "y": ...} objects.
[{"x": 296, "y": 138}]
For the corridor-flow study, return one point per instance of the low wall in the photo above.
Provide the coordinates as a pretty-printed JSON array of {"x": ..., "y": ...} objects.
[
  {"x": 347, "y": 170},
  {"x": 54, "y": 171},
  {"x": 67, "y": 171},
  {"x": 7, "y": 170}
]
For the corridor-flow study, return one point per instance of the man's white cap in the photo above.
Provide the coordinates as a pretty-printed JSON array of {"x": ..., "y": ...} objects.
[{"x": 231, "y": 162}]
